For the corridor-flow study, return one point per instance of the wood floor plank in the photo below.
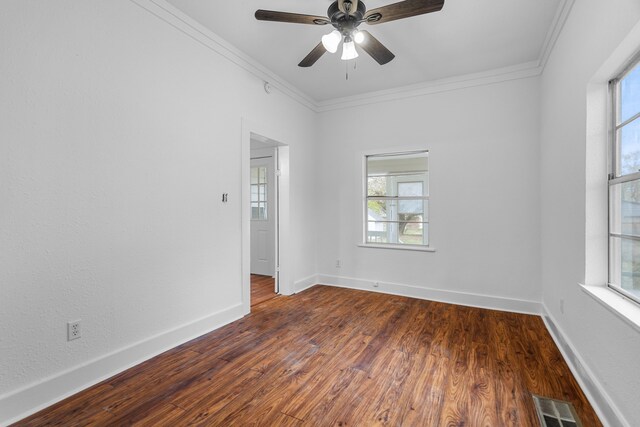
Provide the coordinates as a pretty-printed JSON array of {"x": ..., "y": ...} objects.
[
  {"x": 265, "y": 394},
  {"x": 333, "y": 356},
  {"x": 262, "y": 289},
  {"x": 80, "y": 409}
]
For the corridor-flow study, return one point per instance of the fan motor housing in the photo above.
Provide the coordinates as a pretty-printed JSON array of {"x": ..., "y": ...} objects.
[{"x": 343, "y": 22}]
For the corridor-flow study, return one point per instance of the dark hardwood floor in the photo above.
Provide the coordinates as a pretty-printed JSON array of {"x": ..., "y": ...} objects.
[
  {"x": 262, "y": 289},
  {"x": 331, "y": 356}
]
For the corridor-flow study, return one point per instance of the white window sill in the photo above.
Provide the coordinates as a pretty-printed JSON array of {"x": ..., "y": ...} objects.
[
  {"x": 397, "y": 247},
  {"x": 627, "y": 310}
]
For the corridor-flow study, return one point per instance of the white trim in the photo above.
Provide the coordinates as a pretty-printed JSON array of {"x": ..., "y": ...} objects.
[
  {"x": 306, "y": 283},
  {"x": 628, "y": 311},
  {"x": 515, "y": 72},
  {"x": 192, "y": 28},
  {"x": 27, "y": 400},
  {"x": 560, "y": 18},
  {"x": 451, "y": 297},
  {"x": 397, "y": 247},
  {"x": 602, "y": 403}
]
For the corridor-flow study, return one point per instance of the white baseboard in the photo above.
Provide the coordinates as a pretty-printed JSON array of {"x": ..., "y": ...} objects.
[
  {"x": 604, "y": 406},
  {"x": 452, "y": 297},
  {"x": 305, "y": 283},
  {"x": 23, "y": 402}
]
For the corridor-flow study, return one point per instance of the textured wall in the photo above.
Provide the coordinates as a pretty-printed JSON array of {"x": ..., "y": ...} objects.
[{"x": 118, "y": 134}]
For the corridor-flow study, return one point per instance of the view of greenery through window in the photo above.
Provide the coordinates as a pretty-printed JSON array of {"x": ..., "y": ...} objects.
[
  {"x": 624, "y": 187},
  {"x": 397, "y": 199}
]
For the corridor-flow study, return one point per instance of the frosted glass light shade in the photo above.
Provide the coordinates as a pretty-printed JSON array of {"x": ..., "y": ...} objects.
[
  {"x": 358, "y": 36},
  {"x": 349, "y": 51},
  {"x": 331, "y": 41}
]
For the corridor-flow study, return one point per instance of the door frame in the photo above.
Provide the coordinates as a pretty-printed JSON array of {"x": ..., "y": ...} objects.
[{"x": 283, "y": 261}]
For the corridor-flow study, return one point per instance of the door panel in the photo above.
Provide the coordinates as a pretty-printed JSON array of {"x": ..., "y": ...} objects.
[{"x": 263, "y": 216}]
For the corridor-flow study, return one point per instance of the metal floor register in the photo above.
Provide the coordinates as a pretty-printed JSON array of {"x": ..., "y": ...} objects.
[{"x": 555, "y": 413}]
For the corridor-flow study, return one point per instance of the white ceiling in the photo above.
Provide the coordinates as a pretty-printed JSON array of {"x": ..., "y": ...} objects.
[{"x": 466, "y": 37}]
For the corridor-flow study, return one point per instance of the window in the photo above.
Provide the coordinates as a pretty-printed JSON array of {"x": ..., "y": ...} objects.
[
  {"x": 624, "y": 184},
  {"x": 397, "y": 199},
  {"x": 259, "y": 193}
]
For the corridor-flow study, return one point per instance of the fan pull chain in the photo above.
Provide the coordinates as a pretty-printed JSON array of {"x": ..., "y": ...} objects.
[{"x": 346, "y": 68}]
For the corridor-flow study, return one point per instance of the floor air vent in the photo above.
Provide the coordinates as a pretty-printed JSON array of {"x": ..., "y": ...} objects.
[{"x": 555, "y": 413}]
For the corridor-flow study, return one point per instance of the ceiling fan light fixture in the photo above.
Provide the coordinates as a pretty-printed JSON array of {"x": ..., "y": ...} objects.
[
  {"x": 349, "y": 50},
  {"x": 331, "y": 41},
  {"x": 358, "y": 36}
]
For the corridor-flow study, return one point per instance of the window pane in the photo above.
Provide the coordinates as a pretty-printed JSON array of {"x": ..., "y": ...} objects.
[
  {"x": 377, "y": 186},
  {"x": 407, "y": 233},
  {"x": 263, "y": 192},
  {"x": 630, "y": 94},
  {"x": 394, "y": 210},
  {"x": 254, "y": 193},
  {"x": 412, "y": 207},
  {"x": 411, "y": 233},
  {"x": 380, "y": 232},
  {"x": 625, "y": 264},
  {"x": 410, "y": 189},
  {"x": 262, "y": 175},
  {"x": 254, "y": 175},
  {"x": 629, "y": 140},
  {"x": 395, "y": 164},
  {"x": 378, "y": 210},
  {"x": 624, "y": 208},
  {"x": 392, "y": 185}
]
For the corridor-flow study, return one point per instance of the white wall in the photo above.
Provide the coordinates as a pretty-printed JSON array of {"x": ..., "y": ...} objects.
[
  {"x": 484, "y": 197},
  {"x": 608, "y": 346},
  {"x": 119, "y": 132},
  {"x": 118, "y": 135}
]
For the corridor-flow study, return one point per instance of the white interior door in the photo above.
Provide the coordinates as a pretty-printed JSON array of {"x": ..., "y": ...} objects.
[{"x": 262, "y": 216}]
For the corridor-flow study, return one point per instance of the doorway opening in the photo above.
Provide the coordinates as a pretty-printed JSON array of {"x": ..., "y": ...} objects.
[
  {"x": 267, "y": 195},
  {"x": 263, "y": 206}
]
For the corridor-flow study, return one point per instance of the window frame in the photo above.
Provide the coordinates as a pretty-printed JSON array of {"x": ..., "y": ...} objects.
[
  {"x": 615, "y": 176},
  {"x": 366, "y": 198}
]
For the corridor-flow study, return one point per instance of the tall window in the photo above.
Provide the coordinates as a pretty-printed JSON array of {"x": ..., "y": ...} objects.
[
  {"x": 259, "y": 193},
  {"x": 624, "y": 184},
  {"x": 397, "y": 202}
]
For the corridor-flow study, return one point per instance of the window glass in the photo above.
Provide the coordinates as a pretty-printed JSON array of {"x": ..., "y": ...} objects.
[
  {"x": 624, "y": 187},
  {"x": 397, "y": 199},
  {"x": 259, "y": 193},
  {"x": 629, "y": 141},
  {"x": 629, "y": 88}
]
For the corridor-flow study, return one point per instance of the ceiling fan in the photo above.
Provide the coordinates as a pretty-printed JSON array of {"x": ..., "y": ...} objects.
[{"x": 345, "y": 16}]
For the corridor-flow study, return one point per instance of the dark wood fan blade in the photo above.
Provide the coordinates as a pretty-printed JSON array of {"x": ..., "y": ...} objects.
[
  {"x": 403, "y": 9},
  {"x": 313, "y": 56},
  {"x": 377, "y": 50},
  {"x": 294, "y": 18}
]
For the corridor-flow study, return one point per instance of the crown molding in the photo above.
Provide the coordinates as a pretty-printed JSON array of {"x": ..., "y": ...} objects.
[
  {"x": 193, "y": 29},
  {"x": 560, "y": 18},
  {"x": 521, "y": 71},
  {"x": 190, "y": 27}
]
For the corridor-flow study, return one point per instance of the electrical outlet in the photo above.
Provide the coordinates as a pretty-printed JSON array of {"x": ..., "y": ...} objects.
[
  {"x": 73, "y": 330},
  {"x": 376, "y": 284},
  {"x": 562, "y": 306},
  {"x": 338, "y": 264}
]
